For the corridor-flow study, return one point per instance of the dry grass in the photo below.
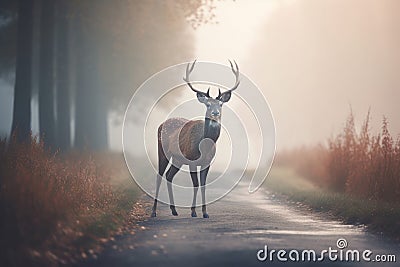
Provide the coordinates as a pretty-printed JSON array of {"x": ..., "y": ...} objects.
[
  {"x": 378, "y": 216},
  {"x": 365, "y": 165},
  {"x": 357, "y": 177},
  {"x": 52, "y": 206},
  {"x": 357, "y": 163}
]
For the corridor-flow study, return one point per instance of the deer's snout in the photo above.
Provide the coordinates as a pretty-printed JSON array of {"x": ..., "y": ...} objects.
[{"x": 216, "y": 113}]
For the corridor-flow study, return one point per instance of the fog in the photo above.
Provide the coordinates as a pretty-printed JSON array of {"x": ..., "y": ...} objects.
[
  {"x": 313, "y": 60},
  {"x": 317, "y": 60}
]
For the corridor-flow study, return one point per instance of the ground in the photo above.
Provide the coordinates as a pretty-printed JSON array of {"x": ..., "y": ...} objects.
[{"x": 239, "y": 226}]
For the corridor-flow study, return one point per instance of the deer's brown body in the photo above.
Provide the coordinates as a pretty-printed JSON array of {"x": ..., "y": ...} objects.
[
  {"x": 191, "y": 142},
  {"x": 180, "y": 140}
]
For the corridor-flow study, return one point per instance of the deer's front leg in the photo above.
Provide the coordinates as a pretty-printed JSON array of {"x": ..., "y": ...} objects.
[
  {"x": 203, "y": 177},
  {"x": 195, "y": 181}
]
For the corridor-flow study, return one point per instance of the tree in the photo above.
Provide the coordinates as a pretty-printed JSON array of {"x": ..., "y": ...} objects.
[
  {"x": 8, "y": 37},
  {"x": 63, "y": 76},
  {"x": 118, "y": 44},
  {"x": 90, "y": 105},
  {"x": 46, "y": 74},
  {"x": 21, "y": 124}
]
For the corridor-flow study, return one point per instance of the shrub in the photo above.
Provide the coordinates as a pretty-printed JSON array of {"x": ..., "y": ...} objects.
[
  {"x": 359, "y": 164},
  {"x": 47, "y": 200}
]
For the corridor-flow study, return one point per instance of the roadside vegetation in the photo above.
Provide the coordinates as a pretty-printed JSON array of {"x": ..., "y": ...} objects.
[
  {"x": 355, "y": 177},
  {"x": 61, "y": 208}
]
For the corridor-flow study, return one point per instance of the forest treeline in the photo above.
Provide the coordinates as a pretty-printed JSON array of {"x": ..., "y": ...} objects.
[{"x": 82, "y": 59}]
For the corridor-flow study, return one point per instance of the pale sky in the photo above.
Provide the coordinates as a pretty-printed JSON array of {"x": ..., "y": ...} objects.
[
  {"x": 232, "y": 37},
  {"x": 313, "y": 60},
  {"x": 233, "y": 34}
]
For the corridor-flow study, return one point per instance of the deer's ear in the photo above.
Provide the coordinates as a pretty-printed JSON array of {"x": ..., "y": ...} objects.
[
  {"x": 225, "y": 96},
  {"x": 202, "y": 97}
]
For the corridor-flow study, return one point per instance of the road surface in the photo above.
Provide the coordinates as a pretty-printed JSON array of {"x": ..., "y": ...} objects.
[{"x": 239, "y": 226}]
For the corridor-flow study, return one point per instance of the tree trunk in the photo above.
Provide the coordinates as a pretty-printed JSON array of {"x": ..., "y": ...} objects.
[
  {"x": 90, "y": 105},
  {"x": 63, "y": 76},
  {"x": 46, "y": 74},
  {"x": 21, "y": 125}
]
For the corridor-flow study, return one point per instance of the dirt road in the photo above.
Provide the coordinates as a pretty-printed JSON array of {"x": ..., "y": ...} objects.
[{"x": 239, "y": 226}]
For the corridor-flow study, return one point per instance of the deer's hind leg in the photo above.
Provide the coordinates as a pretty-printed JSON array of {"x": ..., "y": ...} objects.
[
  {"x": 170, "y": 176},
  {"x": 162, "y": 165},
  {"x": 195, "y": 181}
]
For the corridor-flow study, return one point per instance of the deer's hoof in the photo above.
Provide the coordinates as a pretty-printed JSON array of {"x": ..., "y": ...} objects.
[
  {"x": 153, "y": 214},
  {"x": 205, "y": 215},
  {"x": 194, "y": 214},
  {"x": 174, "y": 213}
]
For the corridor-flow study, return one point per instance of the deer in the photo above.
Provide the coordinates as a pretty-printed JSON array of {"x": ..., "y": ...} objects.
[{"x": 191, "y": 142}]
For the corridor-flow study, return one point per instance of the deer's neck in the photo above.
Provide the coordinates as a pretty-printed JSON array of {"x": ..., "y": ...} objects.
[{"x": 212, "y": 129}]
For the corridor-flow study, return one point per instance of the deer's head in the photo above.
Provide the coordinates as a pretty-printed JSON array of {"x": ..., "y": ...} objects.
[{"x": 213, "y": 105}]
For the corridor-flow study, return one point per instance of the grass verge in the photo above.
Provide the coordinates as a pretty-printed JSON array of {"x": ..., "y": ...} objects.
[
  {"x": 379, "y": 216},
  {"x": 59, "y": 208}
]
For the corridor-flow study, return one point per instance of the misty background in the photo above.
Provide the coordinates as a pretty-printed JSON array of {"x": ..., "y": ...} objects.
[{"x": 313, "y": 60}]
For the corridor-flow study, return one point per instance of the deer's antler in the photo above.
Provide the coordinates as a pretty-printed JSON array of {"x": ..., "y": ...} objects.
[
  {"x": 236, "y": 72},
  {"x": 189, "y": 69},
  {"x": 226, "y": 94}
]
